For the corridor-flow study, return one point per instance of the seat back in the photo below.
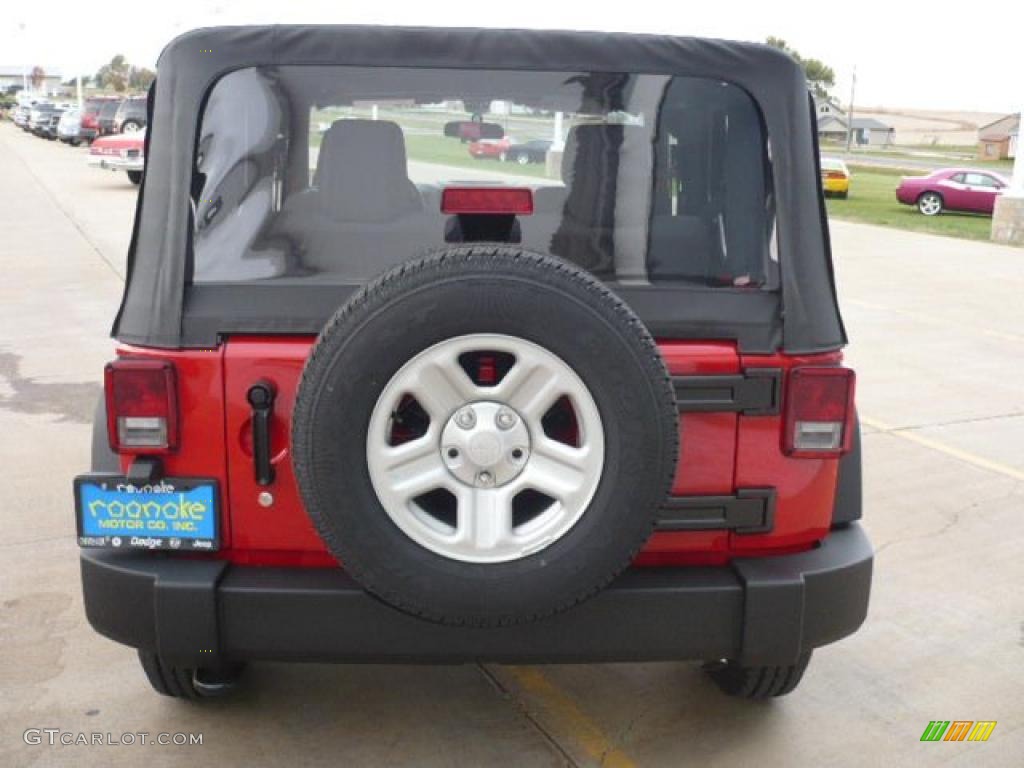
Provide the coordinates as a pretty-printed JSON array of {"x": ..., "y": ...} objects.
[{"x": 361, "y": 173}]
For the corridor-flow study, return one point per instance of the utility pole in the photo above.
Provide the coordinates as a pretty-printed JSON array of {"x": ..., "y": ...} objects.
[
  {"x": 78, "y": 88},
  {"x": 849, "y": 112}
]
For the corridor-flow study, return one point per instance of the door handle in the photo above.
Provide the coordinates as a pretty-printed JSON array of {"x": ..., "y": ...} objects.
[{"x": 261, "y": 400}]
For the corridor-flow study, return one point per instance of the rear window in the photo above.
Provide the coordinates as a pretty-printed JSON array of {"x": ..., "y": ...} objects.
[{"x": 335, "y": 174}]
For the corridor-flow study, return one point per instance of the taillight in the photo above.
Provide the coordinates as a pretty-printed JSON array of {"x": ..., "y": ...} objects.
[
  {"x": 487, "y": 200},
  {"x": 142, "y": 406},
  {"x": 819, "y": 409}
]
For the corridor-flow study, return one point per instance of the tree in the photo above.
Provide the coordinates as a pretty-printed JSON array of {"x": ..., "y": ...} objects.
[
  {"x": 140, "y": 78},
  {"x": 37, "y": 77},
  {"x": 115, "y": 74},
  {"x": 820, "y": 76}
]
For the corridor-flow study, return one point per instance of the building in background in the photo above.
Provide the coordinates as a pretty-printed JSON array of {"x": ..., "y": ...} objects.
[
  {"x": 18, "y": 75},
  {"x": 867, "y": 131},
  {"x": 999, "y": 139}
]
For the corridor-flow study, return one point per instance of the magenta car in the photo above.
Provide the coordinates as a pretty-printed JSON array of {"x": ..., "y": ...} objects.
[{"x": 952, "y": 189}]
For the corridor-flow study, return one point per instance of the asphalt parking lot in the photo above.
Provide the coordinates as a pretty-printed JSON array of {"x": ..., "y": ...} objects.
[{"x": 938, "y": 343}]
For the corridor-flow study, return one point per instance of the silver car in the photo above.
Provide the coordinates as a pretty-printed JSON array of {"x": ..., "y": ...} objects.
[{"x": 69, "y": 127}]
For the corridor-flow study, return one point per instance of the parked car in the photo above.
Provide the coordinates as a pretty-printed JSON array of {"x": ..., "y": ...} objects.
[
  {"x": 489, "y": 148},
  {"x": 69, "y": 128},
  {"x": 952, "y": 189},
  {"x": 533, "y": 151},
  {"x": 130, "y": 115},
  {"x": 351, "y": 417},
  {"x": 120, "y": 152},
  {"x": 39, "y": 117},
  {"x": 835, "y": 177},
  {"x": 21, "y": 115},
  {"x": 89, "y": 128},
  {"x": 48, "y": 126},
  {"x": 105, "y": 117}
]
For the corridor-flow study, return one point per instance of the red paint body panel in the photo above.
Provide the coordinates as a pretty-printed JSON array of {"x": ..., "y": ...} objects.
[
  {"x": 284, "y": 526},
  {"x": 720, "y": 452},
  {"x": 200, "y": 396},
  {"x": 805, "y": 488}
]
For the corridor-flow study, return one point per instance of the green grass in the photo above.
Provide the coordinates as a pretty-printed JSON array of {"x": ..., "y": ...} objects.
[{"x": 872, "y": 200}]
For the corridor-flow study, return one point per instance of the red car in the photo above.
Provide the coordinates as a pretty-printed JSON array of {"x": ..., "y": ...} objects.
[
  {"x": 952, "y": 189},
  {"x": 495, "y": 148},
  {"x": 120, "y": 152}
]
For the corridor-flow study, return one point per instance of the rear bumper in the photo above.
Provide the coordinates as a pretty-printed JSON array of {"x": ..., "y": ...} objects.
[
  {"x": 115, "y": 163},
  {"x": 758, "y": 610}
]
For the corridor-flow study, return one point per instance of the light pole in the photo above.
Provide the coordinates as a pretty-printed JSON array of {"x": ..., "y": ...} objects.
[
  {"x": 1008, "y": 216},
  {"x": 24, "y": 69},
  {"x": 849, "y": 112}
]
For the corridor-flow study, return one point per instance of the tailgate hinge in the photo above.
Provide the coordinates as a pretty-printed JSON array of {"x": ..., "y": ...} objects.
[
  {"x": 751, "y": 510},
  {"x": 755, "y": 392}
]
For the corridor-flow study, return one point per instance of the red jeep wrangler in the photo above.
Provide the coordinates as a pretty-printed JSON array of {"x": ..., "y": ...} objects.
[{"x": 375, "y": 402}]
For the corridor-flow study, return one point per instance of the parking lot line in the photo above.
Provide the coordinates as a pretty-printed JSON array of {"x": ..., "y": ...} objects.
[
  {"x": 570, "y": 719},
  {"x": 966, "y": 456}
]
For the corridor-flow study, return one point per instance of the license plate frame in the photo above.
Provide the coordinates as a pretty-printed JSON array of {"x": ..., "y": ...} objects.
[{"x": 187, "y": 507}]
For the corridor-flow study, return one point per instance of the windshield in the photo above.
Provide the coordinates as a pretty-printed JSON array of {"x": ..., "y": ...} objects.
[{"x": 335, "y": 174}]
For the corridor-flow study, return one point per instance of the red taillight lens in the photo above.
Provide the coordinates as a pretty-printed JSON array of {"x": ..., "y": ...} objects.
[
  {"x": 487, "y": 200},
  {"x": 142, "y": 407},
  {"x": 819, "y": 409}
]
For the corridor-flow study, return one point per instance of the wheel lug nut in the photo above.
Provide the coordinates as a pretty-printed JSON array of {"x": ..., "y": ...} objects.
[
  {"x": 485, "y": 479},
  {"x": 518, "y": 454},
  {"x": 466, "y": 418},
  {"x": 453, "y": 453},
  {"x": 505, "y": 419}
]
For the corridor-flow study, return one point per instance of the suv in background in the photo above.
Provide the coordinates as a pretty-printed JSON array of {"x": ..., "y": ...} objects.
[
  {"x": 89, "y": 128},
  {"x": 39, "y": 117},
  {"x": 362, "y": 409},
  {"x": 130, "y": 115},
  {"x": 105, "y": 117},
  {"x": 48, "y": 127}
]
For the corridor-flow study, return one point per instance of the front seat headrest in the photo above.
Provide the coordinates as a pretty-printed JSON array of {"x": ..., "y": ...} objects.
[{"x": 361, "y": 174}]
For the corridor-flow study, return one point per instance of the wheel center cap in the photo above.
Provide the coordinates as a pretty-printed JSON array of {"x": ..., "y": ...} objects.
[
  {"x": 485, "y": 444},
  {"x": 484, "y": 449}
]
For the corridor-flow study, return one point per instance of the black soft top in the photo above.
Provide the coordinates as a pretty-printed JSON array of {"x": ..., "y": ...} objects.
[{"x": 154, "y": 308}]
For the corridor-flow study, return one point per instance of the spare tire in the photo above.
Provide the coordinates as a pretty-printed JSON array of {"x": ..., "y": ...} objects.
[{"x": 484, "y": 436}]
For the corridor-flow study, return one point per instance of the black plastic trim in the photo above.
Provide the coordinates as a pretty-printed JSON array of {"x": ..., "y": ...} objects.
[
  {"x": 755, "y": 392},
  {"x": 849, "y": 499},
  {"x": 214, "y": 310},
  {"x": 765, "y": 610},
  {"x": 751, "y": 510}
]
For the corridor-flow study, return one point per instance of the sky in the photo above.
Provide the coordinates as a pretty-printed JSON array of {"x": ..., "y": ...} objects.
[{"x": 937, "y": 55}]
